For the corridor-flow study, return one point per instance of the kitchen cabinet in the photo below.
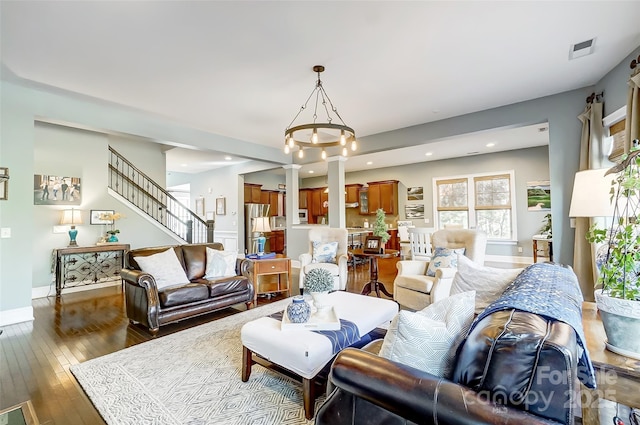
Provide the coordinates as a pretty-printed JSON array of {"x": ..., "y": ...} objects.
[
  {"x": 363, "y": 196},
  {"x": 303, "y": 198},
  {"x": 276, "y": 241},
  {"x": 270, "y": 197},
  {"x": 383, "y": 194},
  {"x": 252, "y": 193},
  {"x": 352, "y": 193}
]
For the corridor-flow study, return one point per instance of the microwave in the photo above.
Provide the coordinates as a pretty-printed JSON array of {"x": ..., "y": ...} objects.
[{"x": 303, "y": 215}]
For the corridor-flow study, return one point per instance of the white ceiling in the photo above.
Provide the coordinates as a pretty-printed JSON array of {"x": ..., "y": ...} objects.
[{"x": 242, "y": 69}]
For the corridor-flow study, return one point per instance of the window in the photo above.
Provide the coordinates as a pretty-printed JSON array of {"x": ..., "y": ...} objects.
[
  {"x": 614, "y": 128},
  {"x": 481, "y": 201}
]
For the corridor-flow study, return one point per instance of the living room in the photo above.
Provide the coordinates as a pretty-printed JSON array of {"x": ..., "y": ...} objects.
[{"x": 49, "y": 130}]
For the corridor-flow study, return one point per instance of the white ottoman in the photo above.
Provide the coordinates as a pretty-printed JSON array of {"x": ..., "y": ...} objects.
[{"x": 305, "y": 353}]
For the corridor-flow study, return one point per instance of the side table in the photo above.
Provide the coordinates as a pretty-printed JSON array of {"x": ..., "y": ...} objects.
[
  {"x": 280, "y": 266},
  {"x": 374, "y": 285},
  {"x": 542, "y": 238}
]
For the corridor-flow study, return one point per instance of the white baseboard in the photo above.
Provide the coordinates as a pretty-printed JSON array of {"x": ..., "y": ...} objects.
[
  {"x": 50, "y": 291},
  {"x": 507, "y": 259},
  {"x": 17, "y": 315}
]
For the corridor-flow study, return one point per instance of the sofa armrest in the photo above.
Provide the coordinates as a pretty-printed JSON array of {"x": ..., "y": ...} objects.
[
  {"x": 409, "y": 267},
  {"x": 408, "y": 393},
  {"x": 343, "y": 266},
  {"x": 442, "y": 284},
  {"x": 305, "y": 259},
  {"x": 141, "y": 297}
]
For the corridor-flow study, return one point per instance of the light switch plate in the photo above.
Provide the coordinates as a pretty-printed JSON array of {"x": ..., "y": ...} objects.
[{"x": 5, "y": 232}]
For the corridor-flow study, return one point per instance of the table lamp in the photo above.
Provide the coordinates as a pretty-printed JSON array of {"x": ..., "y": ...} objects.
[
  {"x": 261, "y": 225},
  {"x": 72, "y": 217},
  {"x": 591, "y": 195}
]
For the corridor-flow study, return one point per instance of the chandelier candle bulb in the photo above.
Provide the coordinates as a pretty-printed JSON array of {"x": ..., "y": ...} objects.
[
  {"x": 344, "y": 151},
  {"x": 324, "y": 154},
  {"x": 300, "y": 153},
  {"x": 343, "y": 139},
  {"x": 314, "y": 137}
]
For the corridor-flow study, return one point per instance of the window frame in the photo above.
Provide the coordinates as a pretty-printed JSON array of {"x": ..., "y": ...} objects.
[{"x": 471, "y": 200}]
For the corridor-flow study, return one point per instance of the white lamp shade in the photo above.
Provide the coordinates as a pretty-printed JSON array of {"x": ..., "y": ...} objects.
[
  {"x": 261, "y": 224},
  {"x": 71, "y": 216},
  {"x": 592, "y": 194}
]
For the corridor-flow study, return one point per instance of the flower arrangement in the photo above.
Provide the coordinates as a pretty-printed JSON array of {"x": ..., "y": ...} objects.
[
  {"x": 112, "y": 217},
  {"x": 318, "y": 280}
]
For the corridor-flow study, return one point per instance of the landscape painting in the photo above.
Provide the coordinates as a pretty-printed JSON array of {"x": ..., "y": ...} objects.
[
  {"x": 539, "y": 195},
  {"x": 414, "y": 211},
  {"x": 415, "y": 193}
]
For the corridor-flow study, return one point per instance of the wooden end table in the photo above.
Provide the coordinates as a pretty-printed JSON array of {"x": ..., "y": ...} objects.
[
  {"x": 374, "y": 284},
  {"x": 617, "y": 376},
  {"x": 280, "y": 266}
]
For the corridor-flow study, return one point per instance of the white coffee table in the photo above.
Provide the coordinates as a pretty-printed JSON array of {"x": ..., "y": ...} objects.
[{"x": 305, "y": 353}]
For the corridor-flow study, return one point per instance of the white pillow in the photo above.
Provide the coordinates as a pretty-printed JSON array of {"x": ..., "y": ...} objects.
[
  {"x": 220, "y": 263},
  {"x": 428, "y": 339},
  {"x": 164, "y": 267},
  {"x": 488, "y": 282}
]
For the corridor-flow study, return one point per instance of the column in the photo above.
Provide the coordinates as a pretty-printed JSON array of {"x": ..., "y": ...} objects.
[{"x": 335, "y": 178}]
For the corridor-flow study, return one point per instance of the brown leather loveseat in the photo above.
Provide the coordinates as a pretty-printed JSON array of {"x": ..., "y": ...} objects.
[{"x": 154, "y": 308}]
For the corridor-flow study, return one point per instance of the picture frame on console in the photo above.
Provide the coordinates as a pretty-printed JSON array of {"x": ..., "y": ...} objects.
[
  {"x": 94, "y": 217},
  {"x": 373, "y": 245}
]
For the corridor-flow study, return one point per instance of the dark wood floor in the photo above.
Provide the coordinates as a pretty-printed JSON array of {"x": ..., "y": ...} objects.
[{"x": 35, "y": 356}]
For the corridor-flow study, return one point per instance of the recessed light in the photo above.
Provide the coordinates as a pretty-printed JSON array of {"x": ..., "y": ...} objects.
[
  {"x": 490, "y": 145},
  {"x": 310, "y": 171},
  {"x": 428, "y": 154},
  {"x": 183, "y": 165},
  {"x": 369, "y": 162},
  {"x": 228, "y": 158}
]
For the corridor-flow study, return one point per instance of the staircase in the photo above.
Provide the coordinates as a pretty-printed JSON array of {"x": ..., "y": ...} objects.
[{"x": 154, "y": 201}]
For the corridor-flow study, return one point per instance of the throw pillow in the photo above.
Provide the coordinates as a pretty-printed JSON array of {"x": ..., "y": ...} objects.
[
  {"x": 443, "y": 257},
  {"x": 220, "y": 263},
  {"x": 324, "y": 252},
  {"x": 428, "y": 339},
  {"x": 488, "y": 282},
  {"x": 164, "y": 267}
]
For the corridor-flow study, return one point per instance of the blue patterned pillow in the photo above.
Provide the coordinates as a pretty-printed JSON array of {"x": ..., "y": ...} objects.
[
  {"x": 444, "y": 257},
  {"x": 324, "y": 252}
]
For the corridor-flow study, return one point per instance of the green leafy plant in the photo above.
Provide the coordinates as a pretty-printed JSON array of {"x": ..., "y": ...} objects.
[
  {"x": 318, "y": 280},
  {"x": 380, "y": 228},
  {"x": 546, "y": 225},
  {"x": 621, "y": 256}
]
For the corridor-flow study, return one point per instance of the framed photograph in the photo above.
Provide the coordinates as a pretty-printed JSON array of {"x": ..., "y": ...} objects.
[
  {"x": 94, "y": 217},
  {"x": 221, "y": 208},
  {"x": 415, "y": 193},
  {"x": 200, "y": 207},
  {"x": 4, "y": 183},
  {"x": 539, "y": 195},
  {"x": 414, "y": 211},
  {"x": 56, "y": 190},
  {"x": 373, "y": 245}
]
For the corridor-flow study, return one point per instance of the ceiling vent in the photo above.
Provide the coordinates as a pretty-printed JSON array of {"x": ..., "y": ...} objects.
[{"x": 581, "y": 49}]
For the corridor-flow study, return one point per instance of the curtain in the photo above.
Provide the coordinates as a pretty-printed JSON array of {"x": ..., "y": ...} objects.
[
  {"x": 632, "y": 130},
  {"x": 591, "y": 157}
]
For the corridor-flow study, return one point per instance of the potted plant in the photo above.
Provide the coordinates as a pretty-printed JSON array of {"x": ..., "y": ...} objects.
[
  {"x": 112, "y": 217},
  {"x": 319, "y": 282},
  {"x": 618, "y": 260},
  {"x": 380, "y": 227}
]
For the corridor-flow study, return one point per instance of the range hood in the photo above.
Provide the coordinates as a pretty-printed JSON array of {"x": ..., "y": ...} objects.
[{"x": 352, "y": 205}]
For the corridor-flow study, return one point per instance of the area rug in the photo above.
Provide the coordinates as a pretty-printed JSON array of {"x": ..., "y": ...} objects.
[{"x": 191, "y": 377}]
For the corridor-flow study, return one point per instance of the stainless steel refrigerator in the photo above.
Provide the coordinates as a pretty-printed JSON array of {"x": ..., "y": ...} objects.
[{"x": 251, "y": 212}]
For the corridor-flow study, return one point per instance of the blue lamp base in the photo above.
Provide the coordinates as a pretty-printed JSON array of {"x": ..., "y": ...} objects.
[
  {"x": 73, "y": 232},
  {"x": 261, "y": 242}
]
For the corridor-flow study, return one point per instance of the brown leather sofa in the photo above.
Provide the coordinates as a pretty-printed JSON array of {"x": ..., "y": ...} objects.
[
  {"x": 515, "y": 367},
  {"x": 154, "y": 308}
]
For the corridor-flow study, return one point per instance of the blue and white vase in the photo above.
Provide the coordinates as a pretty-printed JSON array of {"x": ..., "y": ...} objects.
[{"x": 299, "y": 310}]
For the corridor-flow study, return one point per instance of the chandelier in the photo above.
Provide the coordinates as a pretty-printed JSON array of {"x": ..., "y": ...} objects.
[{"x": 319, "y": 134}]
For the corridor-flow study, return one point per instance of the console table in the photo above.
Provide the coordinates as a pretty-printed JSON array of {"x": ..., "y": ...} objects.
[{"x": 86, "y": 265}]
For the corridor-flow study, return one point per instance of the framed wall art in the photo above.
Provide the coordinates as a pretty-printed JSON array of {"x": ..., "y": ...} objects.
[
  {"x": 56, "y": 190},
  {"x": 200, "y": 207},
  {"x": 95, "y": 217},
  {"x": 539, "y": 195},
  {"x": 4, "y": 183},
  {"x": 221, "y": 207},
  {"x": 415, "y": 193}
]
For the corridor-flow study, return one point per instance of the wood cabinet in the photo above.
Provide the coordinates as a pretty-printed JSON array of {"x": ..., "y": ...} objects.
[
  {"x": 276, "y": 241},
  {"x": 252, "y": 193},
  {"x": 363, "y": 196},
  {"x": 383, "y": 195},
  {"x": 270, "y": 197},
  {"x": 303, "y": 198},
  {"x": 352, "y": 193}
]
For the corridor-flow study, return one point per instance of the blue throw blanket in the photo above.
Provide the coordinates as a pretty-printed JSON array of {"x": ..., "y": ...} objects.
[
  {"x": 345, "y": 337},
  {"x": 552, "y": 291}
]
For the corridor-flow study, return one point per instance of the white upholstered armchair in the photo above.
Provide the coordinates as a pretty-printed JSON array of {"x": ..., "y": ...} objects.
[
  {"x": 414, "y": 289},
  {"x": 339, "y": 268}
]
